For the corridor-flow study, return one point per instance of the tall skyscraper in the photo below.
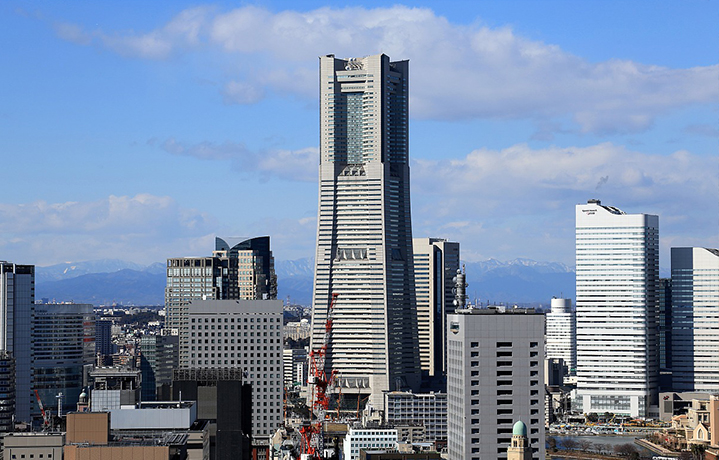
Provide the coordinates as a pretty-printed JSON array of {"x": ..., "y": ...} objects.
[
  {"x": 239, "y": 269},
  {"x": 695, "y": 318},
  {"x": 494, "y": 377},
  {"x": 617, "y": 302},
  {"x": 436, "y": 262},
  {"x": 562, "y": 333},
  {"x": 364, "y": 234},
  {"x": 17, "y": 310}
]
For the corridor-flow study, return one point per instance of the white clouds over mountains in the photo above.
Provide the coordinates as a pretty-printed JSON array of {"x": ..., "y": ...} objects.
[
  {"x": 142, "y": 228},
  {"x": 521, "y": 200},
  {"x": 458, "y": 71}
]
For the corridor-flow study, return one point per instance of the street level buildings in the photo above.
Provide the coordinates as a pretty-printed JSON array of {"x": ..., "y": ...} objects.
[
  {"x": 617, "y": 257},
  {"x": 695, "y": 319},
  {"x": 364, "y": 236},
  {"x": 436, "y": 262},
  {"x": 494, "y": 377}
]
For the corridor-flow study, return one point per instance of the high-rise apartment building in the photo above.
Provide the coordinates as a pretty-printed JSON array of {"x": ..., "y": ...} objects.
[
  {"x": 494, "y": 377},
  {"x": 436, "y": 262},
  {"x": 63, "y": 343},
  {"x": 244, "y": 334},
  {"x": 695, "y": 318},
  {"x": 239, "y": 269},
  {"x": 17, "y": 309},
  {"x": 364, "y": 235},
  {"x": 617, "y": 257},
  {"x": 562, "y": 333}
]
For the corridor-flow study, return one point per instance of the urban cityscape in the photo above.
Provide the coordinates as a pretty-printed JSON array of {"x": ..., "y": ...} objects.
[{"x": 197, "y": 323}]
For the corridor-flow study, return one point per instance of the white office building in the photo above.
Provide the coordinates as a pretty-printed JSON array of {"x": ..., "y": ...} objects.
[
  {"x": 295, "y": 367},
  {"x": 436, "y": 262},
  {"x": 562, "y": 333},
  {"x": 494, "y": 378},
  {"x": 695, "y": 319},
  {"x": 364, "y": 233},
  {"x": 244, "y": 334},
  {"x": 617, "y": 256},
  {"x": 358, "y": 439},
  {"x": 426, "y": 409}
]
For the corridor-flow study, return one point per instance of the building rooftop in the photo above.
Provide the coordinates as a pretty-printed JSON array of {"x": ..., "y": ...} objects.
[{"x": 496, "y": 310}]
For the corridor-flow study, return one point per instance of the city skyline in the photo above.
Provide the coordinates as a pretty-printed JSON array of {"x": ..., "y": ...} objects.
[{"x": 104, "y": 109}]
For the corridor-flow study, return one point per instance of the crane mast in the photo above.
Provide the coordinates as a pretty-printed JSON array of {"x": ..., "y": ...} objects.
[{"x": 321, "y": 376}]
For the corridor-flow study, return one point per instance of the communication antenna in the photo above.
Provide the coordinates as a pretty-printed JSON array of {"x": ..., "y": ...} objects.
[{"x": 460, "y": 288}]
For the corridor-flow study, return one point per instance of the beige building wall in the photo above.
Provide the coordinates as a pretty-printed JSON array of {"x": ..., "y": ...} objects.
[
  {"x": 117, "y": 453},
  {"x": 88, "y": 427}
]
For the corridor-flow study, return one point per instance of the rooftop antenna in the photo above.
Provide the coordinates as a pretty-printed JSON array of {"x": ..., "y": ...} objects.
[{"x": 460, "y": 288}]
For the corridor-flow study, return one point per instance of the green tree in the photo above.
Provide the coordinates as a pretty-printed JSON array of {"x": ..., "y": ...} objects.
[{"x": 697, "y": 451}]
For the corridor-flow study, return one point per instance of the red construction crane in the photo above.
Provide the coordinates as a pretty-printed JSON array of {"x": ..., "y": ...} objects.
[
  {"x": 321, "y": 376},
  {"x": 45, "y": 416}
]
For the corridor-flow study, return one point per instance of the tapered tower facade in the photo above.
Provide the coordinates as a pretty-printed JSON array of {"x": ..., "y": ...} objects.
[{"x": 364, "y": 235}]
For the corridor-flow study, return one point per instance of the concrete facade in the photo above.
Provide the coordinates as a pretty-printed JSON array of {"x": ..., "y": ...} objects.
[
  {"x": 494, "y": 377},
  {"x": 436, "y": 262},
  {"x": 426, "y": 409},
  {"x": 562, "y": 333},
  {"x": 243, "y": 334},
  {"x": 695, "y": 316}
]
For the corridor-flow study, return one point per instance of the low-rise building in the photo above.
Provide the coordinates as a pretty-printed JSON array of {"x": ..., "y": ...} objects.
[
  {"x": 33, "y": 445},
  {"x": 358, "y": 439},
  {"x": 426, "y": 409}
]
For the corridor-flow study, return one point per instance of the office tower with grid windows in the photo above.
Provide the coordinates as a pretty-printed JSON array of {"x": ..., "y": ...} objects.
[
  {"x": 562, "y": 333},
  {"x": 695, "y": 318},
  {"x": 17, "y": 310},
  {"x": 364, "y": 236},
  {"x": 436, "y": 262},
  {"x": 244, "y": 334},
  {"x": 63, "y": 343},
  {"x": 239, "y": 268},
  {"x": 617, "y": 256},
  {"x": 495, "y": 376}
]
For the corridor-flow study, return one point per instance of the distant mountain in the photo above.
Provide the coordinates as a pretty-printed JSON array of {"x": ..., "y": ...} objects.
[
  {"x": 70, "y": 270},
  {"x": 108, "y": 281},
  {"x": 123, "y": 287},
  {"x": 516, "y": 281},
  {"x": 294, "y": 279}
]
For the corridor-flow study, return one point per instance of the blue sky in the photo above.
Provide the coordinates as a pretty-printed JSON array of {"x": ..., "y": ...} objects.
[{"x": 139, "y": 130}]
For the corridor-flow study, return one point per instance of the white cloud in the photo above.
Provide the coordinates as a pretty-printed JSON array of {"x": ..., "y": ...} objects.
[
  {"x": 521, "y": 200},
  {"x": 458, "y": 72},
  {"x": 139, "y": 228},
  {"x": 296, "y": 165}
]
